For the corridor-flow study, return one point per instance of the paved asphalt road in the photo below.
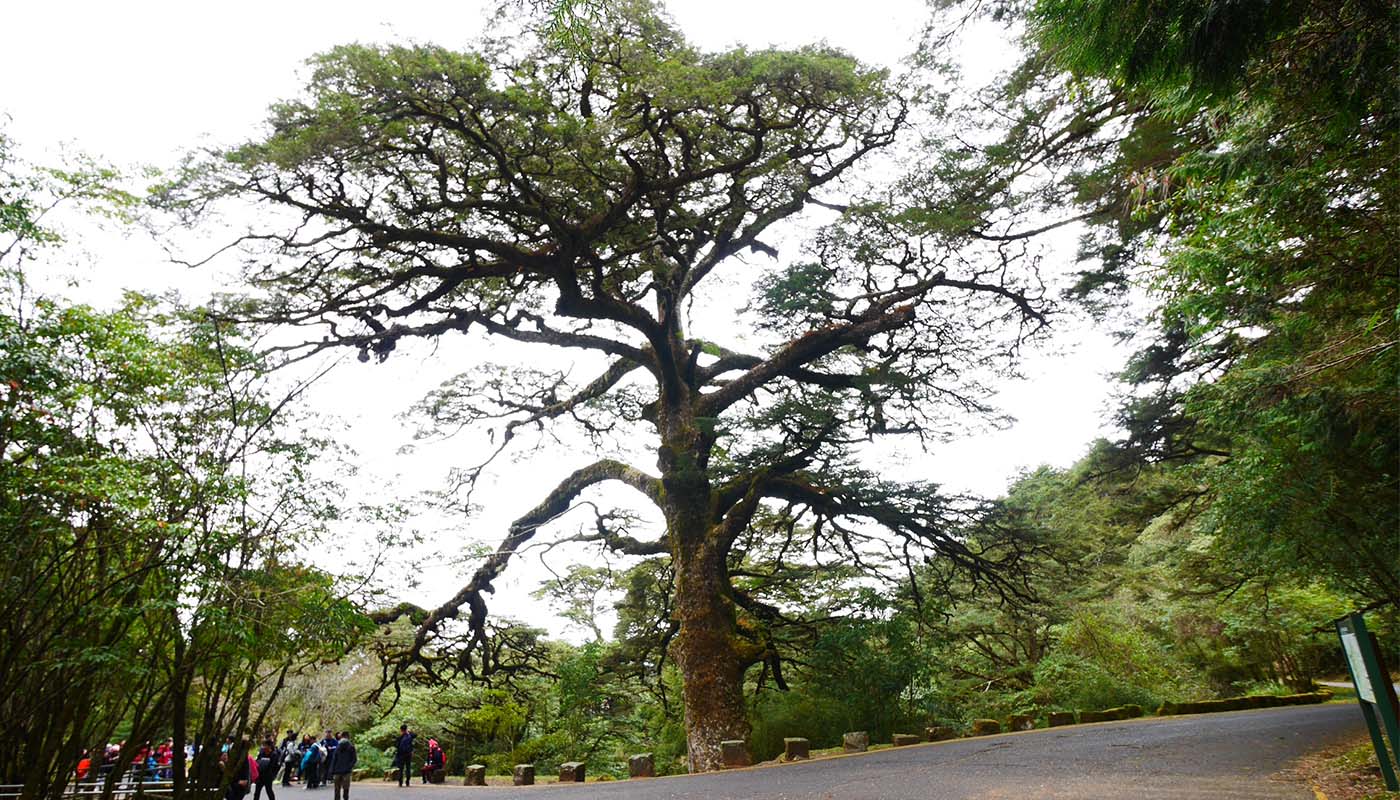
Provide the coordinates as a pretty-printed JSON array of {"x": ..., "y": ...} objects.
[{"x": 1230, "y": 756}]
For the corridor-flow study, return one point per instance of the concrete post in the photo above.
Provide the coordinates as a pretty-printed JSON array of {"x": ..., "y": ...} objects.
[
  {"x": 476, "y": 775},
  {"x": 734, "y": 753},
  {"x": 642, "y": 765},
  {"x": 571, "y": 772}
]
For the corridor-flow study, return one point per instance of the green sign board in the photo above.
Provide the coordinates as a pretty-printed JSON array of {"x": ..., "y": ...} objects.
[{"x": 1375, "y": 692}]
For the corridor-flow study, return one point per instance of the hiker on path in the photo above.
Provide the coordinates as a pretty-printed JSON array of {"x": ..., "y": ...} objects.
[
  {"x": 310, "y": 763},
  {"x": 343, "y": 766},
  {"x": 268, "y": 761},
  {"x": 328, "y": 749},
  {"x": 291, "y": 758},
  {"x": 403, "y": 755},
  {"x": 241, "y": 778}
]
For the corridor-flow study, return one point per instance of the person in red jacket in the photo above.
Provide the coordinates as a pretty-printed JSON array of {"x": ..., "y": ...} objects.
[
  {"x": 435, "y": 760},
  {"x": 165, "y": 756}
]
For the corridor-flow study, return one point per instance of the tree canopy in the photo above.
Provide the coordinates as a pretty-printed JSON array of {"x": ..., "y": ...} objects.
[
  {"x": 1242, "y": 172},
  {"x": 149, "y": 491},
  {"x": 584, "y": 198}
]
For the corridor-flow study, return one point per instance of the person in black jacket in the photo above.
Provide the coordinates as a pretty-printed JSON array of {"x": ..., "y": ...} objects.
[
  {"x": 268, "y": 761},
  {"x": 238, "y": 783},
  {"x": 403, "y": 755},
  {"x": 342, "y": 765}
]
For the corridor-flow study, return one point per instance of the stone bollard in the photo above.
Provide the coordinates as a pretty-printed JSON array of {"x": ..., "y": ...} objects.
[
  {"x": 437, "y": 776},
  {"x": 476, "y": 775},
  {"x": 985, "y": 727},
  {"x": 1092, "y": 716},
  {"x": 1022, "y": 722},
  {"x": 571, "y": 772},
  {"x": 391, "y": 774},
  {"x": 524, "y": 775},
  {"x": 855, "y": 742},
  {"x": 1057, "y": 718},
  {"x": 734, "y": 753},
  {"x": 904, "y": 739},
  {"x": 939, "y": 733},
  {"x": 795, "y": 748},
  {"x": 642, "y": 765}
]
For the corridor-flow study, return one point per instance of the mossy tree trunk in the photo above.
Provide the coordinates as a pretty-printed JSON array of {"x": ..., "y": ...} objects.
[
  {"x": 707, "y": 649},
  {"x": 708, "y": 654}
]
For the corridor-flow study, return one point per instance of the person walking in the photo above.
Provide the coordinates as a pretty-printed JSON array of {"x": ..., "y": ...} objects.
[
  {"x": 403, "y": 756},
  {"x": 268, "y": 761},
  {"x": 343, "y": 766}
]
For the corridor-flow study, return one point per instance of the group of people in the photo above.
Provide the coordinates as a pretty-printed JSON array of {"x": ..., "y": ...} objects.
[
  {"x": 151, "y": 763},
  {"x": 312, "y": 761}
]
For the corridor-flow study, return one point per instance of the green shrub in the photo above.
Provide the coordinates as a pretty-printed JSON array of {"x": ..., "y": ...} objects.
[
  {"x": 1068, "y": 680},
  {"x": 1106, "y": 658},
  {"x": 1250, "y": 688},
  {"x": 777, "y": 715}
]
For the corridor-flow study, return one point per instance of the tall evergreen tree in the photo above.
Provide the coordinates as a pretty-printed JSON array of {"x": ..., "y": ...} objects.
[{"x": 584, "y": 198}]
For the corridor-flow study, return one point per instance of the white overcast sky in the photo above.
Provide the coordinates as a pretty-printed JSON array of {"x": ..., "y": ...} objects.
[{"x": 139, "y": 82}]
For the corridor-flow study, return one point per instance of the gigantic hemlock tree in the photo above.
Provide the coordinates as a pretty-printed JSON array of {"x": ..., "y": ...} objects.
[{"x": 585, "y": 198}]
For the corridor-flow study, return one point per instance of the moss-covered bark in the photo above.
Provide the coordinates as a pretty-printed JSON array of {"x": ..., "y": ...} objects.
[{"x": 706, "y": 648}]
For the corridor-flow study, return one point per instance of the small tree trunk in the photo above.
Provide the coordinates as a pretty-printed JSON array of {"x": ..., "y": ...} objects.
[{"x": 179, "y": 722}]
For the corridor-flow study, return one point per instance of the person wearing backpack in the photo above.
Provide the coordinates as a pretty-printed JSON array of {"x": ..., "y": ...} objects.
[
  {"x": 310, "y": 765},
  {"x": 291, "y": 758},
  {"x": 265, "y": 771},
  {"x": 435, "y": 761}
]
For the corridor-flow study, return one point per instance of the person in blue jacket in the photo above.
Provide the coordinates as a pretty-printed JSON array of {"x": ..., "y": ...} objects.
[
  {"x": 328, "y": 745},
  {"x": 403, "y": 755},
  {"x": 311, "y": 765}
]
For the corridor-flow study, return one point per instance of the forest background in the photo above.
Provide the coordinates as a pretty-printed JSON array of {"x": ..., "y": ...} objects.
[{"x": 162, "y": 489}]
